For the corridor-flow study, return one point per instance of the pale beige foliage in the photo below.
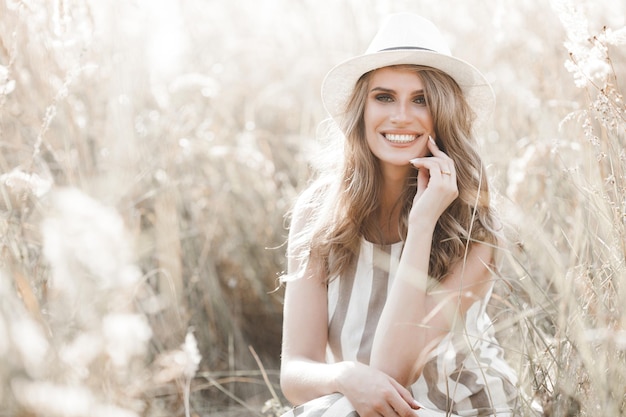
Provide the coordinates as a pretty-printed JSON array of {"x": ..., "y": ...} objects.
[{"x": 150, "y": 150}]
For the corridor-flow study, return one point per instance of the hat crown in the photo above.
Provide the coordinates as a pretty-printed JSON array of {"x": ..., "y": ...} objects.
[
  {"x": 406, "y": 39},
  {"x": 408, "y": 31}
]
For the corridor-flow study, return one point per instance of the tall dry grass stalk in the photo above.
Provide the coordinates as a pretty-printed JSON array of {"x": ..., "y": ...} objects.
[
  {"x": 150, "y": 150},
  {"x": 571, "y": 261},
  {"x": 89, "y": 99}
]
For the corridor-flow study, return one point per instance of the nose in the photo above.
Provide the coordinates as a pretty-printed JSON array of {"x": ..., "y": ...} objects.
[{"x": 400, "y": 113}]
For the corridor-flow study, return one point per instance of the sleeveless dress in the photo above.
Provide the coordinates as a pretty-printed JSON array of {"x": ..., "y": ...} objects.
[{"x": 466, "y": 374}]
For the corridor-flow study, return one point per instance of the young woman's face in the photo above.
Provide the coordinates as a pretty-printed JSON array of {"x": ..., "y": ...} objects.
[{"x": 397, "y": 120}]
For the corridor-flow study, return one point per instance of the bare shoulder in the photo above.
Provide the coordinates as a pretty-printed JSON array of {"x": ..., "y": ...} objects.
[
  {"x": 483, "y": 253},
  {"x": 306, "y": 206},
  {"x": 472, "y": 275}
]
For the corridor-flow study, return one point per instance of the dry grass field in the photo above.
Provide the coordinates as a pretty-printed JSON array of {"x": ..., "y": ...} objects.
[{"x": 150, "y": 150}]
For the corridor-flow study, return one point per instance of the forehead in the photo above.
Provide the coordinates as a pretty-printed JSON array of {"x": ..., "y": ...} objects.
[{"x": 389, "y": 77}]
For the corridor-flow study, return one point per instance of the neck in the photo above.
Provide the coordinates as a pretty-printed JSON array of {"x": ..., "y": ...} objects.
[
  {"x": 390, "y": 207},
  {"x": 393, "y": 182}
]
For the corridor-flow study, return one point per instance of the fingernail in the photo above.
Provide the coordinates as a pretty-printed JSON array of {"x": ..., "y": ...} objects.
[
  {"x": 412, "y": 161},
  {"x": 416, "y": 405},
  {"x": 432, "y": 140}
]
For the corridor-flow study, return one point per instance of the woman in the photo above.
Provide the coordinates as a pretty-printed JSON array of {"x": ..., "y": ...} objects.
[{"x": 391, "y": 256}]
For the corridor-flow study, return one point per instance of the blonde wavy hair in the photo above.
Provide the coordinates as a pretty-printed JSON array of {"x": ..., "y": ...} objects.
[{"x": 340, "y": 207}]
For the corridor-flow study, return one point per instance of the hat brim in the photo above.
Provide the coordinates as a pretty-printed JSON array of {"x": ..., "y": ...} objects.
[{"x": 340, "y": 81}]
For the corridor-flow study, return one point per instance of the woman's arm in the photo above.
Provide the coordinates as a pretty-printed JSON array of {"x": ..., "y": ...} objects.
[
  {"x": 304, "y": 374},
  {"x": 415, "y": 318}
]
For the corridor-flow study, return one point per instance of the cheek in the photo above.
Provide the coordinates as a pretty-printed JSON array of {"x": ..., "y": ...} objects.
[
  {"x": 367, "y": 117},
  {"x": 372, "y": 113},
  {"x": 427, "y": 118},
  {"x": 369, "y": 123}
]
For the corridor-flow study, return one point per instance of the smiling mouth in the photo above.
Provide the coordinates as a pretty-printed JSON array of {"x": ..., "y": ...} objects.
[{"x": 395, "y": 138}]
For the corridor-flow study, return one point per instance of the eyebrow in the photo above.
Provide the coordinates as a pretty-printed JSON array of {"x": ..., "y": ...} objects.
[{"x": 389, "y": 90}]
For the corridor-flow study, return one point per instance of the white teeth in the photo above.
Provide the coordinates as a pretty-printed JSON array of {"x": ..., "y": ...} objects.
[{"x": 400, "y": 138}]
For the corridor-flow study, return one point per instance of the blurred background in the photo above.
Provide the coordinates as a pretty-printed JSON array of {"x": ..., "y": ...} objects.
[{"x": 152, "y": 149}]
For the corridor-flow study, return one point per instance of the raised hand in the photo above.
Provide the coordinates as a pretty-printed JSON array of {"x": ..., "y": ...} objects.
[{"x": 436, "y": 184}]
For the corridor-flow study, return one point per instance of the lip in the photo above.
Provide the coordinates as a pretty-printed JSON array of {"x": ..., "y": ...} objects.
[{"x": 401, "y": 138}]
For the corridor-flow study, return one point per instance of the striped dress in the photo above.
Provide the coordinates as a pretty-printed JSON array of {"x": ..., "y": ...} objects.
[{"x": 466, "y": 374}]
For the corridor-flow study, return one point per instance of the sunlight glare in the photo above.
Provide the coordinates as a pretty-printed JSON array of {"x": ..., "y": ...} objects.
[{"x": 166, "y": 40}]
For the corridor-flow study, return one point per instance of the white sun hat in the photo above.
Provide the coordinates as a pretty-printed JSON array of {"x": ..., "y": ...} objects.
[{"x": 406, "y": 38}]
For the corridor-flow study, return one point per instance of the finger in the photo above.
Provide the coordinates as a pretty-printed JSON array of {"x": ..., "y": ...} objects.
[
  {"x": 422, "y": 180},
  {"x": 406, "y": 395},
  {"x": 433, "y": 165},
  {"x": 432, "y": 175},
  {"x": 423, "y": 177},
  {"x": 390, "y": 411},
  {"x": 384, "y": 409},
  {"x": 447, "y": 166},
  {"x": 443, "y": 160},
  {"x": 449, "y": 170},
  {"x": 434, "y": 149},
  {"x": 400, "y": 407},
  {"x": 447, "y": 173}
]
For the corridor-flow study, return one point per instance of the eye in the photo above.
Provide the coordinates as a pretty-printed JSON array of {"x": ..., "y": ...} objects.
[
  {"x": 385, "y": 98},
  {"x": 421, "y": 100}
]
